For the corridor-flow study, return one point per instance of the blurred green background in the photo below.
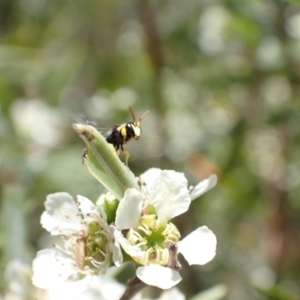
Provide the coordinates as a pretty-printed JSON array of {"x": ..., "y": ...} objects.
[{"x": 221, "y": 79}]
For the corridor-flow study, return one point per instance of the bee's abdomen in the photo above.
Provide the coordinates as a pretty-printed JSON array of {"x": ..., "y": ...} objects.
[{"x": 115, "y": 138}]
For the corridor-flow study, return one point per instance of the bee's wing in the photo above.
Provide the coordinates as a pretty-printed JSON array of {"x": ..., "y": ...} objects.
[
  {"x": 105, "y": 131},
  {"x": 82, "y": 119}
]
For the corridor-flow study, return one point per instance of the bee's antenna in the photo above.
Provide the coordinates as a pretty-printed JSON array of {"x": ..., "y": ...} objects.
[
  {"x": 132, "y": 113},
  {"x": 133, "y": 116},
  {"x": 143, "y": 115}
]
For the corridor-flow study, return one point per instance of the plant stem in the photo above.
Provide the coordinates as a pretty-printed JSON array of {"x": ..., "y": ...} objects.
[{"x": 133, "y": 286}]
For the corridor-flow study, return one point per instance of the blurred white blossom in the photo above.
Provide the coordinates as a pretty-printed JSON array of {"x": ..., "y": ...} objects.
[
  {"x": 38, "y": 122},
  {"x": 18, "y": 281}
]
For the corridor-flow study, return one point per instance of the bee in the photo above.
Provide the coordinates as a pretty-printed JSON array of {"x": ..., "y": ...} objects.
[{"x": 123, "y": 133}]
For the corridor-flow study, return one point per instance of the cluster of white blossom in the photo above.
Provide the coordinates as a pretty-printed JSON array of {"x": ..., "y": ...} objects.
[{"x": 96, "y": 237}]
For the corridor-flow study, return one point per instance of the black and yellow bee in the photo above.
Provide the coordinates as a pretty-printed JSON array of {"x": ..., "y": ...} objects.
[{"x": 121, "y": 134}]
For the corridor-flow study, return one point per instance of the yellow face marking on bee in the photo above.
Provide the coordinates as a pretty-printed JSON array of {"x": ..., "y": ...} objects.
[{"x": 137, "y": 132}]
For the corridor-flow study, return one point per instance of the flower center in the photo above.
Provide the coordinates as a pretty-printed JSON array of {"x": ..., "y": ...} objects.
[
  {"x": 153, "y": 238},
  {"x": 91, "y": 249}
]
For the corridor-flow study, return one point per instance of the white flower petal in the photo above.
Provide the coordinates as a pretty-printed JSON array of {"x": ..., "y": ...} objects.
[
  {"x": 88, "y": 288},
  {"x": 85, "y": 205},
  {"x": 114, "y": 246},
  {"x": 71, "y": 290},
  {"x": 103, "y": 288},
  {"x": 203, "y": 186},
  {"x": 199, "y": 247},
  {"x": 102, "y": 215},
  {"x": 133, "y": 251},
  {"x": 150, "y": 176},
  {"x": 169, "y": 195},
  {"x": 61, "y": 214},
  {"x": 159, "y": 276},
  {"x": 173, "y": 294},
  {"x": 51, "y": 268},
  {"x": 129, "y": 210}
]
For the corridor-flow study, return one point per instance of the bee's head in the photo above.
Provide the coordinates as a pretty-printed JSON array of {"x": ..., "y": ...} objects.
[
  {"x": 134, "y": 129},
  {"x": 137, "y": 130},
  {"x": 136, "y": 125}
]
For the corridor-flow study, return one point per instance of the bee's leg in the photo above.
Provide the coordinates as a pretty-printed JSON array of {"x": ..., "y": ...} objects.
[{"x": 127, "y": 154}]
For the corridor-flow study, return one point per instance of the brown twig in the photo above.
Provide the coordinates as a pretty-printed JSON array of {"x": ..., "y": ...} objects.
[{"x": 133, "y": 286}]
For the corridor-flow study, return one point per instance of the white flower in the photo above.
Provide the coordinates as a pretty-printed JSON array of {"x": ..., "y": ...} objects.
[
  {"x": 88, "y": 245},
  {"x": 101, "y": 287},
  {"x": 171, "y": 294},
  {"x": 18, "y": 279},
  {"x": 145, "y": 215}
]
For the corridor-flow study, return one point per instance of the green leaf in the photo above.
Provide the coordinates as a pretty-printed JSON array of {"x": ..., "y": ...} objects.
[
  {"x": 103, "y": 162},
  {"x": 277, "y": 292},
  {"x": 215, "y": 293}
]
